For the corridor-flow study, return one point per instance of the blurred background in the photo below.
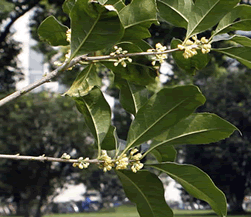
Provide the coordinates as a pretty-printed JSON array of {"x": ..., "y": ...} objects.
[{"x": 43, "y": 122}]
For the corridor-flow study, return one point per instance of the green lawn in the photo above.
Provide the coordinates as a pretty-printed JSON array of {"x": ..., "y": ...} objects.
[
  {"x": 122, "y": 211},
  {"x": 130, "y": 211}
]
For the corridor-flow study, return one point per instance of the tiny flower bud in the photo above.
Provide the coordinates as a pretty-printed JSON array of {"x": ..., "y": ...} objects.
[
  {"x": 204, "y": 40},
  {"x": 189, "y": 42},
  {"x": 181, "y": 47}
]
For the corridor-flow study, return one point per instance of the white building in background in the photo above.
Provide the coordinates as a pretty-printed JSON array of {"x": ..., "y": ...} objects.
[{"x": 30, "y": 61}]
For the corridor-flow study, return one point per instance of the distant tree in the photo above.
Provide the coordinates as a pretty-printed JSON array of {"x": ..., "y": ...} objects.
[
  {"x": 10, "y": 12},
  {"x": 39, "y": 123},
  {"x": 228, "y": 162}
]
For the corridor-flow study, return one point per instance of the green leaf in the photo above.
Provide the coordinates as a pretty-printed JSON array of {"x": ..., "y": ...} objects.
[
  {"x": 137, "y": 17},
  {"x": 146, "y": 191},
  {"x": 237, "y": 19},
  {"x": 164, "y": 152},
  {"x": 93, "y": 78},
  {"x": 97, "y": 113},
  {"x": 81, "y": 86},
  {"x": 190, "y": 65},
  {"x": 137, "y": 73},
  {"x": 118, "y": 4},
  {"x": 110, "y": 141},
  {"x": 102, "y": 1},
  {"x": 242, "y": 40},
  {"x": 197, "y": 183},
  {"x": 132, "y": 97},
  {"x": 52, "y": 31},
  {"x": 163, "y": 110},
  {"x": 68, "y": 5},
  {"x": 175, "y": 12},
  {"x": 242, "y": 54},
  {"x": 134, "y": 46},
  {"x": 93, "y": 24},
  {"x": 201, "y": 128},
  {"x": 207, "y": 13}
]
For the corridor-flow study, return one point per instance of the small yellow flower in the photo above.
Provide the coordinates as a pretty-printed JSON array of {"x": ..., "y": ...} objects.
[
  {"x": 190, "y": 47},
  {"x": 82, "y": 163},
  {"x": 136, "y": 166},
  {"x": 122, "y": 162},
  {"x": 158, "y": 57},
  {"x": 133, "y": 151},
  {"x": 68, "y": 35},
  {"x": 108, "y": 162},
  {"x": 66, "y": 156},
  {"x": 67, "y": 57},
  {"x": 122, "y": 60}
]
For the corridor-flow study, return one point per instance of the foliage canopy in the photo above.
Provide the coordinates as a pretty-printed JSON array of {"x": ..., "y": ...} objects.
[{"x": 111, "y": 33}]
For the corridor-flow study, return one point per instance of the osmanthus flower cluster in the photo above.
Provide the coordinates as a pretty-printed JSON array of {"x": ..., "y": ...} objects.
[
  {"x": 122, "y": 162},
  {"x": 122, "y": 60},
  {"x": 158, "y": 57},
  {"x": 106, "y": 163},
  {"x": 82, "y": 163},
  {"x": 190, "y": 47}
]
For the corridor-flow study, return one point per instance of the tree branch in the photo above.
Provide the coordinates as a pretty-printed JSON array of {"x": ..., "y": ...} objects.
[
  {"x": 38, "y": 83},
  {"x": 67, "y": 65},
  {"x": 98, "y": 58},
  {"x": 43, "y": 158}
]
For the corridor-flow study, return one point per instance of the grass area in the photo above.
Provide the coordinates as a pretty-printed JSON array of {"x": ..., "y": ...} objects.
[
  {"x": 130, "y": 211},
  {"x": 122, "y": 211}
]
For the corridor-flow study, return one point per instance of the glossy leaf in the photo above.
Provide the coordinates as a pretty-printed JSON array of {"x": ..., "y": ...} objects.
[
  {"x": 242, "y": 40},
  {"x": 68, "y": 5},
  {"x": 132, "y": 97},
  {"x": 163, "y": 110},
  {"x": 242, "y": 54},
  {"x": 175, "y": 12},
  {"x": 81, "y": 86},
  {"x": 190, "y": 65},
  {"x": 97, "y": 113},
  {"x": 137, "y": 17},
  {"x": 110, "y": 141},
  {"x": 118, "y": 4},
  {"x": 134, "y": 46},
  {"x": 207, "y": 13},
  {"x": 138, "y": 73},
  {"x": 94, "y": 79},
  {"x": 102, "y": 1},
  {"x": 238, "y": 19},
  {"x": 164, "y": 152},
  {"x": 201, "y": 128},
  {"x": 92, "y": 24},
  {"x": 146, "y": 191},
  {"x": 53, "y": 32},
  {"x": 197, "y": 183},
  {"x": 222, "y": 37}
]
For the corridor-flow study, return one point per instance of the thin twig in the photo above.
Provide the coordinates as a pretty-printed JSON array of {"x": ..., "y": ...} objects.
[
  {"x": 43, "y": 158},
  {"x": 38, "y": 83},
  {"x": 66, "y": 66},
  {"x": 97, "y": 58}
]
